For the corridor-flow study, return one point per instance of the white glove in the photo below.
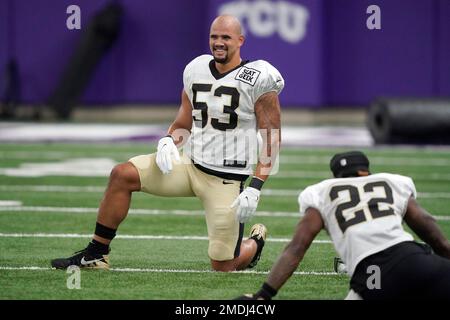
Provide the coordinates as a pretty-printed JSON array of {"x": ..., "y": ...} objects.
[
  {"x": 246, "y": 204},
  {"x": 166, "y": 149}
]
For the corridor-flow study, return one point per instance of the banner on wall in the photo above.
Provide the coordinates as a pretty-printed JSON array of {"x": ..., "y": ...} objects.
[{"x": 266, "y": 19}]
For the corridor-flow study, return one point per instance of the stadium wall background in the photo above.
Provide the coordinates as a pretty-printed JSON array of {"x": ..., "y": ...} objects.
[{"x": 322, "y": 47}]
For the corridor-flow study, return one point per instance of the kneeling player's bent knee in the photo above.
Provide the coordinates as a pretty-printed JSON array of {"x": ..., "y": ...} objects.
[
  {"x": 126, "y": 175},
  {"x": 223, "y": 230},
  {"x": 221, "y": 250}
]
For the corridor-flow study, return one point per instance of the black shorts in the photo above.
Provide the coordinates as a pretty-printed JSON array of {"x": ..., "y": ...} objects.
[{"x": 407, "y": 270}]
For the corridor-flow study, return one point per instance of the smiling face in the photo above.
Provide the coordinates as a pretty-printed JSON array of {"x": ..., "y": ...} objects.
[{"x": 225, "y": 40}]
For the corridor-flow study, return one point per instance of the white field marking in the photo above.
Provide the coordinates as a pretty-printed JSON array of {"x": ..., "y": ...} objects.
[
  {"x": 61, "y": 155},
  {"x": 135, "y": 211},
  {"x": 101, "y": 167},
  {"x": 84, "y": 167},
  {"x": 9, "y": 203},
  {"x": 379, "y": 161},
  {"x": 294, "y": 174},
  {"x": 156, "y": 212},
  {"x": 128, "y": 237},
  {"x": 288, "y": 159},
  {"x": 52, "y": 188},
  {"x": 58, "y": 155},
  {"x": 296, "y": 193},
  {"x": 89, "y": 189},
  {"x": 38, "y": 132},
  {"x": 304, "y": 273},
  {"x": 43, "y": 155}
]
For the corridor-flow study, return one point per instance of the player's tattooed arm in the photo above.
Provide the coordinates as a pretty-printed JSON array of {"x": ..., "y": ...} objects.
[
  {"x": 268, "y": 117},
  {"x": 180, "y": 129}
]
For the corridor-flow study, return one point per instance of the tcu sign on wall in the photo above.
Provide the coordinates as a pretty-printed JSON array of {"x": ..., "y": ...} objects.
[{"x": 264, "y": 18}]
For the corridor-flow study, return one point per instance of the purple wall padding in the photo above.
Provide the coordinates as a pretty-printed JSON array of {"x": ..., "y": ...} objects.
[
  {"x": 394, "y": 61},
  {"x": 43, "y": 44},
  {"x": 337, "y": 62},
  {"x": 443, "y": 49},
  {"x": 4, "y": 39}
]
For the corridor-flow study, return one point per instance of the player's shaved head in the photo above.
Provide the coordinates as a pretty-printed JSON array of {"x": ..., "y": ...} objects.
[
  {"x": 227, "y": 22},
  {"x": 225, "y": 40}
]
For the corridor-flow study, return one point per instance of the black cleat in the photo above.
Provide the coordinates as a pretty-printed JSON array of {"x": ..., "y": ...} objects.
[
  {"x": 82, "y": 259},
  {"x": 339, "y": 266}
]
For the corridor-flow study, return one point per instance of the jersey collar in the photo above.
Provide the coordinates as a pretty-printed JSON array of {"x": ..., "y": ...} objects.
[{"x": 217, "y": 75}]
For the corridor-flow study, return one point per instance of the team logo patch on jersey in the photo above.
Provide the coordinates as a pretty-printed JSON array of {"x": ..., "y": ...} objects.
[{"x": 248, "y": 75}]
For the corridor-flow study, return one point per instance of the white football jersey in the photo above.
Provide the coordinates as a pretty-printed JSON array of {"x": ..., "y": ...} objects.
[
  {"x": 224, "y": 132},
  {"x": 362, "y": 215}
]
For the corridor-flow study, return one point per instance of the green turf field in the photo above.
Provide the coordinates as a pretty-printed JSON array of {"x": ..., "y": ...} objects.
[{"x": 161, "y": 248}]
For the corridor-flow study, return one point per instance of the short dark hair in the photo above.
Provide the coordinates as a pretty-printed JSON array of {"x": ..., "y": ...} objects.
[{"x": 347, "y": 164}]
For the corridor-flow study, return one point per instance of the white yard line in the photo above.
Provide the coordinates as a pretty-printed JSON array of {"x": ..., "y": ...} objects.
[
  {"x": 155, "y": 211},
  {"x": 60, "y": 155},
  {"x": 291, "y": 192},
  {"x": 374, "y": 160},
  {"x": 299, "y": 174},
  {"x": 128, "y": 237},
  {"x": 296, "y": 159},
  {"x": 305, "y": 273},
  {"x": 134, "y": 211},
  {"x": 89, "y": 132},
  {"x": 51, "y": 188},
  {"x": 9, "y": 203},
  {"x": 101, "y": 189}
]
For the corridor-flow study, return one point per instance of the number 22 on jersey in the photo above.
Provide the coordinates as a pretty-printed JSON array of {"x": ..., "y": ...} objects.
[{"x": 372, "y": 203}]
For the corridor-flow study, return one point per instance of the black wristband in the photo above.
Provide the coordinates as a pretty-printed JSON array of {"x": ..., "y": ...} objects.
[
  {"x": 266, "y": 292},
  {"x": 256, "y": 183}
]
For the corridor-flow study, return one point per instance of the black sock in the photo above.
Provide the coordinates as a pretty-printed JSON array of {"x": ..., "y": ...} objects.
[
  {"x": 259, "y": 246},
  {"x": 259, "y": 242},
  {"x": 104, "y": 231},
  {"x": 96, "y": 247}
]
